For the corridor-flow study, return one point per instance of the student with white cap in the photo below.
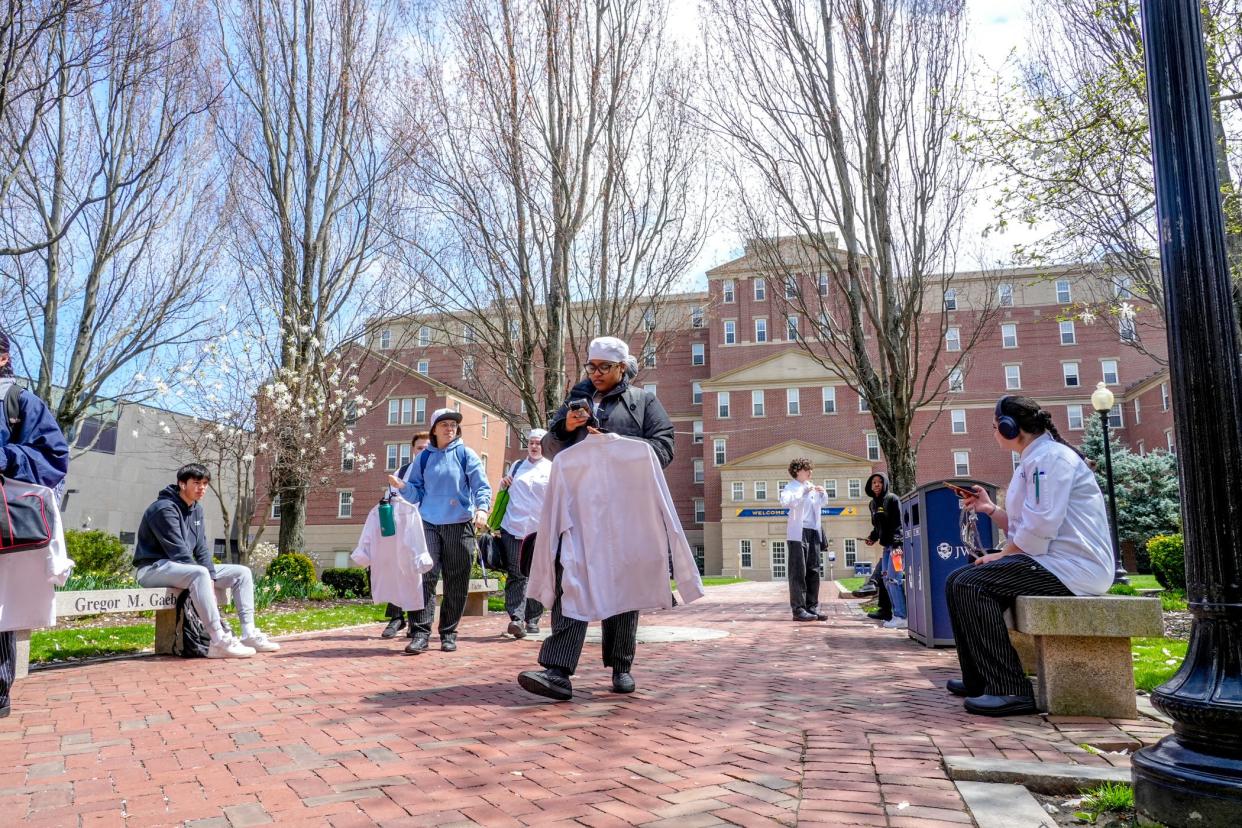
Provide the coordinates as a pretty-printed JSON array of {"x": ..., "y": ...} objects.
[
  {"x": 526, "y": 483},
  {"x": 446, "y": 481}
]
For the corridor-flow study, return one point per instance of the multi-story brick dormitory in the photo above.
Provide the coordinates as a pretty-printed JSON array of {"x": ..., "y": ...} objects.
[{"x": 746, "y": 398}]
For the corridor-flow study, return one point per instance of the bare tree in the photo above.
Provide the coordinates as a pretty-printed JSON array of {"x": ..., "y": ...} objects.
[
  {"x": 315, "y": 168},
  {"x": 564, "y": 181},
  {"x": 843, "y": 115}
]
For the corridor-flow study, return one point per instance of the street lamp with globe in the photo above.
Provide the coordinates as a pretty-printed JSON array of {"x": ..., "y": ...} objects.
[{"x": 1102, "y": 401}]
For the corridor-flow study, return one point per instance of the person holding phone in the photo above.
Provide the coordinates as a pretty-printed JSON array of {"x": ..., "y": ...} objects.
[
  {"x": 1058, "y": 544},
  {"x": 805, "y": 502},
  {"x": 886, "y": 531}
]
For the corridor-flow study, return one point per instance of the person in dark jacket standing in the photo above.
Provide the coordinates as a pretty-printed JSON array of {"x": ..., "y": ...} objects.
[
  {"x": 886, "y": 531},
  {"x": 171, "y": 551},
  {"x": 603, "y": 402},
  {"x": 34, "y": 450}
]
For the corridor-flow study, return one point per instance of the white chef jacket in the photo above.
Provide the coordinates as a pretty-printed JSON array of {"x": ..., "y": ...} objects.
[
  {"x": 28, "y": 580},
  {"x": 397, "y": 562},
  {"x": 1062, "y": 523},
  {"x": 804, "y": 504},
  {"x": 526, "y": 494},
  {"x": 608, "y": 508}
]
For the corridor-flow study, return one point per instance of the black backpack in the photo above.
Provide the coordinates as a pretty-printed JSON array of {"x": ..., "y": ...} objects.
[
  {"x": 13, "y": 411},
  {"x": 191, "y": 639}
]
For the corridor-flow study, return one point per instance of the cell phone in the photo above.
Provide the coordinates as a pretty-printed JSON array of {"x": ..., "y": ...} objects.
[
  {"x": 959, "y": 491},
  {"x": 578, "y": 405}
]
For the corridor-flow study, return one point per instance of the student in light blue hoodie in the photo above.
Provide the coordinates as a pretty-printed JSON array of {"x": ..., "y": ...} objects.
[{"x": 447, "y": 483}]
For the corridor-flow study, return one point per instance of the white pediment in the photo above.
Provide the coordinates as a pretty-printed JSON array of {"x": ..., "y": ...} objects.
[
  {"x": 788, "y": 369},
  {"x": 780, "y": 456}
]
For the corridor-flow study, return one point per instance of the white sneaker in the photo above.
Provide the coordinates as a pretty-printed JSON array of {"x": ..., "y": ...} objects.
[
  {"x": 261, "y": 643},
  {"x": 229, "y": 648},
  {"x": 895, "y": 623}
]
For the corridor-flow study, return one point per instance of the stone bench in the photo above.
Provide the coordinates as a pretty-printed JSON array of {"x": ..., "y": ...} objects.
[
  {"x": 1079, "y": 649},
  {"x": 476, "y": 595}
]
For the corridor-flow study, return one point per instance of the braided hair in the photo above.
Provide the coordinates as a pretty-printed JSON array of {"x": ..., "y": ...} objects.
[{"x": 1032, "y": 418}]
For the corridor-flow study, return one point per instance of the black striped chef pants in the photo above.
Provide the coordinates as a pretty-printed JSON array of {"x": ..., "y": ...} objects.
[
  {"x": 563, "y": 647},
  {"x": 978, "y": 597},
  {"x": 8, "y": 665},
  {"x": 451, "y": 547}
]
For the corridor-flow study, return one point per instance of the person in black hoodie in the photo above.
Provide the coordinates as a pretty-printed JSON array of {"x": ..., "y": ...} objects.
[
  {"x": 171, "y": 551},
  {"x": 886, "y": 531}
]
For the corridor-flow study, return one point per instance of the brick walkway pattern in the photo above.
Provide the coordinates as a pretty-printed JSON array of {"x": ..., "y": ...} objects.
[{"x": 780, "y": 723}]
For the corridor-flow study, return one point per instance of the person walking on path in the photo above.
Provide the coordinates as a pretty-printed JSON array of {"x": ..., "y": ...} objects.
[
  {"x": 447, "y": 483},
  {"x": 805, "y": 501},
  {"x": 1058, "y": 544},
  {"x": 527, "y": 483},
  {"x": 886, "y": 531},
  {"x": 34, "y": 451},
  {"x": 396, "y": 615}
]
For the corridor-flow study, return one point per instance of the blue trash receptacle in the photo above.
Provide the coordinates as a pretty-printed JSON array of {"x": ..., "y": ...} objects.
[
  {"x": 933, "y": 548},
  {"x": 862, "y": 569}
]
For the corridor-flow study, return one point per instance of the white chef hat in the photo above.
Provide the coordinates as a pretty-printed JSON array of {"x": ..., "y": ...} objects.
[
  {"x": 609, "y": 349},
  {"x": 535, "y": 434}
]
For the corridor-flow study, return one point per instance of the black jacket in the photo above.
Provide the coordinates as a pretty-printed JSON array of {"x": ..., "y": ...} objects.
[
  {"x": 171, "y": 530},
  {"x": 619, "y": 413},
  {"x": 885, "y": 514}
]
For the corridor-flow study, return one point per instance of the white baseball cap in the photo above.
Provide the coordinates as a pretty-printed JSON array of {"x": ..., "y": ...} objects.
[
  {"x": 445, "y": 414},
  {"x": 609, "y": 349}
]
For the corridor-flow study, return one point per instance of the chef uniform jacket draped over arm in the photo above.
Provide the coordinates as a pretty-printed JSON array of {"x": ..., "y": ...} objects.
[
  {"x": 397, "y": 562},
  {"x": 609, "y": 512}
]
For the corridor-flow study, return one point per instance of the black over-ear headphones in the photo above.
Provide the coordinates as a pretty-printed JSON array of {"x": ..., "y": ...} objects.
[{"x": 1006, "y": 425}]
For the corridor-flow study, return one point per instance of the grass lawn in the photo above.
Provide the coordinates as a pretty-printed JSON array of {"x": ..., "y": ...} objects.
[
  {"x": 1155, "y": 660},
  {"x": 1144, "y": 581},
  {"x": 852, "y": 583}
]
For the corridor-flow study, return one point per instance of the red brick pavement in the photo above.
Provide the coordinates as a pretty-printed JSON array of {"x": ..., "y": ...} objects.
[{"x": 839, "y": 723}]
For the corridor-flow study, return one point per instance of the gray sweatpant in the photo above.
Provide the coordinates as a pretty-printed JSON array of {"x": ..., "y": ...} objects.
[{"x": 202, "y": 589}]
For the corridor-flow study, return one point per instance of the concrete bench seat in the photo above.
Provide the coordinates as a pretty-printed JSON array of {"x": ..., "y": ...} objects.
[
  {"x": 476, "y": 594},
  {"x": 1079, "y": 649}
]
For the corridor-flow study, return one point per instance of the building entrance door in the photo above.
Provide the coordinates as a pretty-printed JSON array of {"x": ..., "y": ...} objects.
[{"x": 780, "y": 569}]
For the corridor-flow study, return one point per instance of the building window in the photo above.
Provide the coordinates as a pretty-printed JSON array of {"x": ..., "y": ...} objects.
[
  {"x": 1138, "y": 412},
  {"x": 961, "y": 463},
  {"x": 698, "y": 354},
  {"x": 351, "y": 413},
  {"x": 728, "y": 286},
  {"x": 957, "y": 419},
  {"x": 756, "y": 403},
  {"x": 345, "y": 504},
  {"x": 700, "y": 511},
  {"x": 830, "y": 489},
  {"x": 1114, "y": 417},
  {"x": 1004, "y": 295},
  {"x": 722, "y": 404},
  {"x": 396, "y": 455},
  {"x": 761, "y": 289},
  {"x": 744, "y": 554},
  {"x": 1013, "y": 377},
  {"x": 420, "y": 410},
  {"x": 793, "y": 401},
  {"x": 483, "y": 428},
  {"x": 698, "y": 470},
  {"x": 275, "y": 513},
  {"x": 791, "y": 328},
  {"x": 347, "y": 457},
  {"x": 467, "y": 333},
  {"x": 1128, "y": 330},
  {"x": 1168, "y": 442},
  {"x": 1069, "y": 372},
  {"x": 424, "y": 336},
  {"x": 1074, "y": 414},
  {"x": 739, "y": 491},
  {"x": 854, "y": 488},
  {"x": 779, "y": 571},
  {"x": 718, "y": 451},
  {"x": 791, "y": 287},
  {"x": 1121, "y": 288},
  {"x": 851, "y": 552},
  {"x": 957, "y": 381},
  {"x": 467, "y": 368},
  {"x": 1063, "y": 291},
  {"x": 761, "y": 330},
  {"x": 649, "y": 319},
  {"x": 401, "y": 411},
  {"x": 730, "y": 332},
  {"x": 649, "y": 355},
  {"x": 830, "y": 399},
  {"x": 698, "y": 432},
  {"x": 873, "y": 447},
  {"x": 696, "y": 393},
  {"x": 385, "y": 339},
  {"x": 950, "y": 299},
  {"x": 650, "y": 388},
  {"x": 1108, "y": 368},
  {"x": 761, "y": 490},
  {"x": 953, "y": 338},
  {"x": 1164, "y": 396},
  {"x": 696, "y": 316},
  {"x": 1067, "y": 332},
  {"x": 423, "y": 367},
  {"x": 1009, "y": 335},
  {"x": 863, "y": 405},
  {"x": 823, "y": 284}
]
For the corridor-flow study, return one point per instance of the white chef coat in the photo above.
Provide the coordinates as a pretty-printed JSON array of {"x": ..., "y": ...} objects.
[
  {"x": 804, "y": 504},
  {"x": 397, "y": 562},
  {"x": 609, "y": 508},
  {"x": 28, "y": 579},
  {"x": 1062, "y": 524},
  {"x": 526, "y": 494}
]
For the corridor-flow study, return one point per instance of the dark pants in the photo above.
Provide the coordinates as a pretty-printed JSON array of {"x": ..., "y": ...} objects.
[
  {"x": 8, "y": 665},
  {"x": 978, "y": 597},
  {"x": 451, "y": 547},
  {"x": 393, "y": 611},
  {"x": 804, "y": 571},
  {"x": 519, "y": 607},
  {"x": 563, "y": 647}
]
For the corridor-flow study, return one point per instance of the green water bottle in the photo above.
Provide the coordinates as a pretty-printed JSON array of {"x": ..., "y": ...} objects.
[{"x": 388, "y": 521}]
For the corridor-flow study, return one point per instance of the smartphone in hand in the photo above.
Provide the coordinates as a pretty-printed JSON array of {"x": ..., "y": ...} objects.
[{"x": 959, "y": 491}]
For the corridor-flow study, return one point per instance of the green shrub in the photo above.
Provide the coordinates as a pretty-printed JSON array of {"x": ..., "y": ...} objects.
[
  {"x": 90, "y": 580},
  {"x": 348, "y": 583},
  {"x": 97, "y": 552},
  {"x": 1168, "y": 561},
  {"x": 291, "y": 568},
  {"x": 1122, "y": 589},
  {"x": 320, "y": 592}
]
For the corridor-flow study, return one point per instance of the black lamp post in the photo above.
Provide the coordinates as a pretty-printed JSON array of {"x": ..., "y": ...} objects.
[
  {"x": 1194, "y": 776},
  {"x": 1102, "y": 401}
]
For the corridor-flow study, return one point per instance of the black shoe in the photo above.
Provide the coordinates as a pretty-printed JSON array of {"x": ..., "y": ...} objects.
[
  {"x": 819, "y": 616},
  {"x": 4, "y": 711},
  {"x": 551, "y": 684},
  {"x": 876, "y": 615},
  {"x": 957, "y": 687},
  {"x": 448, "y": 643},
  {"x": 395, "y": 626},
  {"x": 532, "y": 629},
  {"x": 622, "y": 682},
  {"x": 1001, "y": 705},
  {"x": 865, "y": 591},
  {"x": 802, "y": 615},
  {"x": 418, "y": 644},
  {"x": 516, "y": 629}
]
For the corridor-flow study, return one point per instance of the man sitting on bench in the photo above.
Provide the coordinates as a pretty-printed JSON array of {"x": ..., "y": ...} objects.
[{"x": 171, "y": 551}]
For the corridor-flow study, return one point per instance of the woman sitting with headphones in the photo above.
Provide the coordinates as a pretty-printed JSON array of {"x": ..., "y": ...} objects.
[{"x": 1057, "y": 544}]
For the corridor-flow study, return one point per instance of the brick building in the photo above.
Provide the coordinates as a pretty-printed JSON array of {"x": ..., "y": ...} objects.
[{"x": 746, "y": 398}]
